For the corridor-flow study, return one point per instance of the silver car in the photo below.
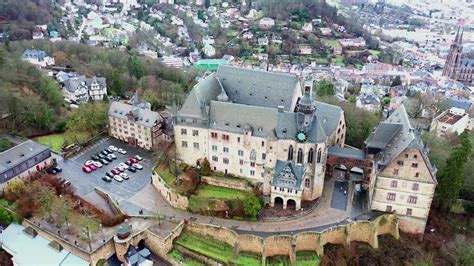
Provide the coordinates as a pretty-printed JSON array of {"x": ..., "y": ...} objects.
[{"x": 118, "y": 178}]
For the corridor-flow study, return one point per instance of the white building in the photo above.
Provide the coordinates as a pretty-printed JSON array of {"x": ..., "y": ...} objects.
[
  {"x": 38, "y": 58},
  {"x": 454, "y": 120},
  {"x": 80, "y": 89},
  {"x": 266, "y": 23}
]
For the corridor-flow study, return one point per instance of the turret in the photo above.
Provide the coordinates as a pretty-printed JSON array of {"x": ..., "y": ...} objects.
[{"x": 307, "y": 106}]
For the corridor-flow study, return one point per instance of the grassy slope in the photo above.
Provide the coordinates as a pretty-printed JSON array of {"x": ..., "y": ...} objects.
[
  {"x": 56, "y": 141},
  {"x": 206, "y": 245},
  {"x": 207, "y": 191}
]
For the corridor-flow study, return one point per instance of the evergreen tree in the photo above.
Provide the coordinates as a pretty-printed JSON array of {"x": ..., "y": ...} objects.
[{"x": 450, "y": 177}]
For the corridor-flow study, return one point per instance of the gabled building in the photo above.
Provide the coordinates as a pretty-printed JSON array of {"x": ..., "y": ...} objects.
[
  {"x": 405, "y": 180},
  {"x": 23, "y": 160},
  {"x": 244, "y": 121},
  {"x": 288, "y": 183},
  {"x": 136, "y": 124},
  {"x": 453, "y": 120},
  {"x": 38, "y": 58},
  {"x": 80, "y": 89}
]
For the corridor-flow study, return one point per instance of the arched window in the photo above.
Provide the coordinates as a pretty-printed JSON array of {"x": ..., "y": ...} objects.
[
  {"x": 319, "y": 156},
  {"x": 310, "y": 155},
  {"x": 253, "y": 155},
  {"x": 290, "y": 153},
  {"x": 307, "y": 182},
  {"x": 299, "y": 158}
]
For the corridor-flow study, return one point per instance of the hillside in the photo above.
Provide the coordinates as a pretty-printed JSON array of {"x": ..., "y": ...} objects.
[{"x": 19, "y": 17}]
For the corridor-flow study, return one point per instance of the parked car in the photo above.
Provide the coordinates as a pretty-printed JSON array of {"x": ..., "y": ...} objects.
[
  {"x": 122, "y": 151},
  {"x": 138, "y": 166},
  {"x": 95, "y": 157},
  {"x": 115, "y": 171},
  {"x": 89, "y": 162},
  {"x": 109, "y": 151},
  {"x": 133, "y": 160},
  {"x": 57, "y": 169},
  {"x": 86, "y": 169},
  {"x": 121, "y": 168},
  {"x": 108, "y": 159},
  {"x": 92, "y": 167},
  {"x": 118, "y": 178},
  {"x": 129, "y": 163},
  {"x": 104, "y": 152},
  {"x": 138, "y": 157},
  {"x": 101, "y": 156},
  {"x": 124, "y": 176},
  {"x": 51, "y": 171},
  {"x": 132, "y": 169},
  {"x": 97, "y": 164},
  {"x": 112, "y": 156},
  {"x": 123, "y": 165},
  {"x": 113, "y": 148},
  {"x": 106, "y": 178},
  {"x": 104, "y": 161},
  {"x": 109, "y": 174}
]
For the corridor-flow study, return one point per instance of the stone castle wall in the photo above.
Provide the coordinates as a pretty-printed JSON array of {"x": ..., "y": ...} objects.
[{"x": 170, "y": 195}]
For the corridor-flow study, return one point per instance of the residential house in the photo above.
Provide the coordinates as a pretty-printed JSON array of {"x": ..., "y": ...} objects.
[
  {"x": 79, "y": 89},
  {"x": 263, "y": 41},
  {"x": 308, "y": 27},
  {"x": 23, "y": 160},
  {"x": 325, "y": 31},
  {"x": 305, "y": 49},
  {"x": 369, "y": 102},
  {"x": 277, "y": 39},
  {"x": 247, "y": 35},
  {"x": 453, "y": 120},
  {"x": 266, "y": 23},
  {"x": 38, "y": 58}
]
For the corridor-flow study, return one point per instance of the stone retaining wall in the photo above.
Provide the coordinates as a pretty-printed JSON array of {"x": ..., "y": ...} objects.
[
  {"x": 169, "y": 194},
  {"x": 222, "y": 182},
  {"x": 363, "y": 231},
  {"x": 112, "y": 203}
]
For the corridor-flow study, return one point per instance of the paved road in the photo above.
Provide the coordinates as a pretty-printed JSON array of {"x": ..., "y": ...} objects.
[{"x": 340, "y": 195}]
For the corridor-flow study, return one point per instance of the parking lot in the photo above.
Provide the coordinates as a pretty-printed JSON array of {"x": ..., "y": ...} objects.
[{"x": 86, "y": 182}]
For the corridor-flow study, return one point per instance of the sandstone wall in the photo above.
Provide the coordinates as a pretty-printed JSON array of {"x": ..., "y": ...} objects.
[
  {"x": 170, "y": 195},
  {"x": 221, "y": 182},
  {"x": 251, "y": 243},
  {"x": 162, "y": 246},
  {"x": 222, "y": 234}
]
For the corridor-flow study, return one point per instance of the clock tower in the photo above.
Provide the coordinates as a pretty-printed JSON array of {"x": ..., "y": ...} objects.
[{"x": 306, "y": 106}]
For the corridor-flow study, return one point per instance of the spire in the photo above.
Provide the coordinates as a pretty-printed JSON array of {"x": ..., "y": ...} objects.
[
  {"x": 457, "y": 35},
  {"x": 460, "y": 37}
]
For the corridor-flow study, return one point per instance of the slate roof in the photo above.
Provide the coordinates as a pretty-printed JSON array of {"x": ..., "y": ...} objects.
[
  {"x": 35, "y": 251},
  {"x": 259, "y": 88},
  {"x": 288, "y": 175},
  {"x": 391, "y": 137},
  {"x": 35, "y": 54},
  {"x": 20, "y": 153},
  {"x": 229, "y": 101},
  {"x": 347, "y": 152},
  {"x": 144, "y": 117}
]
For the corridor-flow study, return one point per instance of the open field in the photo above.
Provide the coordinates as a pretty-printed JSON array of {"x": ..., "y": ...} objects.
[{"x": 56, "y": 141}]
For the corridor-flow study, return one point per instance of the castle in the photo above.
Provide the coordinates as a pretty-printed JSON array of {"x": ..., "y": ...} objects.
[{"x": 267, "y": 128}]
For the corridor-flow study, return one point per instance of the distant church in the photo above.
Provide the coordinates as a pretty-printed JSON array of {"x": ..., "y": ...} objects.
[{"x": 459, "y": 66}]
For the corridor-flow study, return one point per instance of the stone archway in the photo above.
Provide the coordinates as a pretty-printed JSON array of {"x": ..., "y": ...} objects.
[
  {"x": 291, "y": 204},
  {"x": 278, "y": 202},
  {"x": 141, "y": 244}
]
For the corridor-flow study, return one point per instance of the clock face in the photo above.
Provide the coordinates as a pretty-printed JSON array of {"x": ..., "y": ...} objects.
[{"x": 301, "y": 136}]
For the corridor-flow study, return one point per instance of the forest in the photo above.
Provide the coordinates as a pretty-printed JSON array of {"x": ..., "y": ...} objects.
[{"x": 34, "y": 101}]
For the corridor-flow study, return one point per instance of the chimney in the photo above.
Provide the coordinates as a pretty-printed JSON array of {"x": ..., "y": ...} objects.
[{"x": 280, "y": 109}]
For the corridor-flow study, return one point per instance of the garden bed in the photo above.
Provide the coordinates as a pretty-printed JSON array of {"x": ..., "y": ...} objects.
[
  {"x": 207, "y": 246},
  {"x": 307, "y": 258}
]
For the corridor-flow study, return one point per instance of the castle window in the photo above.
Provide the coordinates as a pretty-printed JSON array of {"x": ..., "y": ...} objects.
[
  {"x": 415, "y": 156},
  {"x": 310, "y": 155},
  {"x": 214, "y": 147},
  {"x": 319, "y": 156},
  {"x": 388, "y": 208},
  {"x": 299, "y": 158},
  {"x": 290, "y": 153},
  {"x": 393, "y": 184},
  {"x": 196, "y": 145},
  {"x": 264, "y": 156},
  {"x": 214, "y": 135},
  {"x": 225, "y": 149},
  {"x": 184, "y": 144},
  {"x": 263, "y": 143},
  {"x": 400, "y": 162},
  {"x": 415, "y": 186},
  {"x": 225, "y": 160},
  {"x": 252, "y": 172},
  {"x": 241, "y": 162},
  {"x": 215, "y": 158},
  {"x": 184, "y": 131},
  {"x": 395, "y": 171},
  {"x": 409, "y": 211},
  {"x": 391, "y": 196},
  {"x": 253, "y": 155},
  {"x": 417, "y": 174},
  {"x": 412, "y": 199},
  {"x": 241, "y": 153},
  {"x": 307, "y": 182},
  {"x": 238, "y": 139},
  {"x": 414, "y": 165},
  {"x": 195, "y": 133}
]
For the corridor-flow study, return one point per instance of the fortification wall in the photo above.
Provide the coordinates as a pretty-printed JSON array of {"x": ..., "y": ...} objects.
[
  {"x": 169, "y": 194},
  {"x": 221, "y": 182}
]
